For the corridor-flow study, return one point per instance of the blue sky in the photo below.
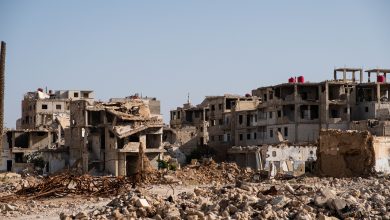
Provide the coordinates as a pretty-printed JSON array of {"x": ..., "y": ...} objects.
[{"x": 169, "y": 48}]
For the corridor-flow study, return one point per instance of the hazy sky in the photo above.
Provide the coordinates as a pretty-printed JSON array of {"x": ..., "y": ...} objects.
[{"x": 169, "y": 48}]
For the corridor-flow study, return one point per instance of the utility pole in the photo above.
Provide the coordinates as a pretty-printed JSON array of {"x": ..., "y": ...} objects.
[{"x": 2, "y": 73}]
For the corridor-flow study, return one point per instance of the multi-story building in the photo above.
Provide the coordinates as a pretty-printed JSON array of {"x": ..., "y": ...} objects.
[
  {"x": 40, "y": 109},
  {"x": 212, "y": 120},
  {"x": 299, "y": 110},
  {"x": 43, "y": 130},
  {"x": 296, "y": 111},
  {"x": 109, "y": 136}
]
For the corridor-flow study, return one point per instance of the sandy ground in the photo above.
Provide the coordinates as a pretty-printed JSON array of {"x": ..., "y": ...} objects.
[{"x": 52, "y": 208}]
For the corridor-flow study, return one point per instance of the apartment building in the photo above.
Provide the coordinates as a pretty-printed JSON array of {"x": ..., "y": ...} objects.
[
  {"x": 212, "y": 120},
  {"x": 296, "y": 111},
  {"x": 40, "y": 109},
  {"x": 43, "y": 130}
]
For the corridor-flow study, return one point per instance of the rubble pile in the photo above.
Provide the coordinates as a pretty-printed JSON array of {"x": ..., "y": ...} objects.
[
  {"x": 10, "y": 182},
  {"x": 206, "y": 173},
  {"x": 68, "y": 183},
  {"x": 222, "y": 173},
  {"x": 48, "y": 209},
  {"x": 307, "y": 198}
]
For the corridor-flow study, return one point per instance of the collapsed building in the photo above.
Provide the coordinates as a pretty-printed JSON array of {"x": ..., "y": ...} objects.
[{"x": 108, "y": 137}]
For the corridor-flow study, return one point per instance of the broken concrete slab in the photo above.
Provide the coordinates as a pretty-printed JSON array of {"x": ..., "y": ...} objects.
[{"x": 142, "y": 203}]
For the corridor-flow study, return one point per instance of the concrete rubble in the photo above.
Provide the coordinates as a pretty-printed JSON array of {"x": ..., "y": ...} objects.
[
  {"x": 307, "y": 198},
  {"x": 207, "y": 190}
]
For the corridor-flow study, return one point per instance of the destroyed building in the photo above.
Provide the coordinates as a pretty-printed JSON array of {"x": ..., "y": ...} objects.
[
  {"x": 296, "y": 111},
  {"x": 209, "y": 122},
  {"x": 299, "y": 109},
  {"x": 108, "y": 137},
  {"x": 278, "y": 159},
  {"x": 22, "y": 143},
  {"x": 40, "y": 109},
  {"x": 42, "y": 131}
]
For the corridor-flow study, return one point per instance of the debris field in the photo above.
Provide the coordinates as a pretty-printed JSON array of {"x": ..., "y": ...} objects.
[{"x": 206, "y": 191}]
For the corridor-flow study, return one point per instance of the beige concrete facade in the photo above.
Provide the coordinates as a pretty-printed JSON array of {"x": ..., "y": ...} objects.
[
  {"x": 107, "y": 136},
  {"x": 40, "y": 109},
  {"x": 213, "y": 120},
  {"x": 293, "y": 112}
]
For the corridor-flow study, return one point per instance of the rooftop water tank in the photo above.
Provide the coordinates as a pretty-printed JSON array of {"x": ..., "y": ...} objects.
[
  {"x": 380, "y": 78},
  {"x": 291, "y": 80},
  {"x": 301, "y": 79}
]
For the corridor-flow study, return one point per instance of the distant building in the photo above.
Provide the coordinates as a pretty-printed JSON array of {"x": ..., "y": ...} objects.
[
  {"x": 212, "y": 120},
  {"x": 39, "y": 109},
  {"x": 292, "y": 112}
]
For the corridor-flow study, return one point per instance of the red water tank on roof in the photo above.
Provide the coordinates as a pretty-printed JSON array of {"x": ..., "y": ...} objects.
[
  {"x": 301, "y": 79},
  {"x": 380, "y": 78},
  {"x": 291, "y": 80}
]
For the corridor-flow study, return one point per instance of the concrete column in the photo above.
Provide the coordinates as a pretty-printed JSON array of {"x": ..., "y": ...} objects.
[
  {"x": 84, "y": 151},
  {"x": 59, "y": 133},
  {"x": 344, "y": 76},
  {"x": 326, "y": 107},
  {"x": 296, "y": 114},
  {"x": 361, "y": 76},
  {"x": 378, "y": 93},
  {"x": 13, "y": 140},
  {"x": 30, "y": 143},
  {"x": 348, "y": 105},
  {"x": 320, "y": 111},
  {"x": 121, "y": 164},
  {"x": 49, "y": 137},
  {"x": 86, "y": 117}
]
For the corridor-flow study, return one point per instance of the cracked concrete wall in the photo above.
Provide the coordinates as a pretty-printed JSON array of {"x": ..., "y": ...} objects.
[
  {"x": 382, "y": 154},
  {"x": 186, "y": 139}
]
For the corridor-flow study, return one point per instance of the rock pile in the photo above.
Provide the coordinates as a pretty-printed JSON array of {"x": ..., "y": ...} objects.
[
  {"x": 220, "y": 173},
  {"x": 307, "y": 198}
]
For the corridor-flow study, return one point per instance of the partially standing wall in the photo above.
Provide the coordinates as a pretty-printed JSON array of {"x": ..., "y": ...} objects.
[{"x": 352, "y": 153}]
